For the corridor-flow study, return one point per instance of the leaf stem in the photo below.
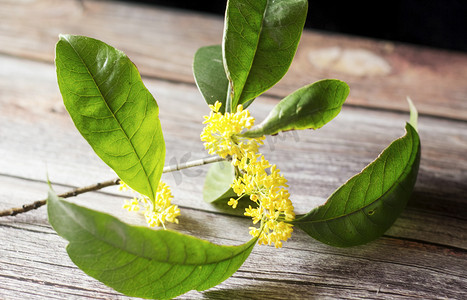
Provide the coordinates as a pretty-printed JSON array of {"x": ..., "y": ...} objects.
[{"x": 100, "y": 185}]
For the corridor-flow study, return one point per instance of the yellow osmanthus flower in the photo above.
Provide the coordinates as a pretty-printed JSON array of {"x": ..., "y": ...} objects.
[
  {"x": 221, "y": 133},
  {"x": 267, "y": 188},
  {"x": 156, "y": 212},
  {"x": 131, "y": 205},
  {"x": 233, "y": 202},
  {"x": 258, "y": 179},
  {"x": 123, "y": 186}
]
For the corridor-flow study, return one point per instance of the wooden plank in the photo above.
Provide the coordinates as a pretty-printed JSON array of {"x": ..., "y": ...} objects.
[
  {"x": 35, "y": 264},
  {"x": 162, "y": 43},
  {"x": 39, "y": 138}
]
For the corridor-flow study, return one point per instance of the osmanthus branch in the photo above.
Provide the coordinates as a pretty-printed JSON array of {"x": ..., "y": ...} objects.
[{"x": 101, "y": 185}]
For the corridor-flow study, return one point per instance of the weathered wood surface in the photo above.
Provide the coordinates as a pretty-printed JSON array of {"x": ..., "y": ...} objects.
[
  {"x": 162, "y": 43},
  {"x": 424, "y": 255}
]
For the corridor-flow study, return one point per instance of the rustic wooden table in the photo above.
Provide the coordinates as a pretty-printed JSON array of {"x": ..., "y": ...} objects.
[{"x": 424, "y": 255}]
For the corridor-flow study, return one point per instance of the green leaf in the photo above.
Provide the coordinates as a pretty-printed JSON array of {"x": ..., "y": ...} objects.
[
  {"x": 368, "y": 204},
  {"x": 209, "y": 73},
  {"x": 217, "y": 183},
  {"x": 260, "y": 41},
  {"x": 311, "y": 106},
  {"x": 138, "y": 261},
  {"x": 112, "y": 109}
]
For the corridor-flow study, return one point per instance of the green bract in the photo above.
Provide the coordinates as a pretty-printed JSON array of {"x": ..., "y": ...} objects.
[
  {"x": 109, "y": 104},
  {"x": 139, "y": 261},
  {"x": 217, "y": 183}
]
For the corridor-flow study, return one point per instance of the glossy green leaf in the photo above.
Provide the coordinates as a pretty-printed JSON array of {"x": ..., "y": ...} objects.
[
  {"x": 217, "y": 183},
  {"x": 309, "y": 107},
  {"x": 138, "y": 261},
  {"x": 112, "y": 109},
  {"x": 260, "y": 41},
  {"x": 368, "y": 204},
  {"x": 209, "y": 73}
]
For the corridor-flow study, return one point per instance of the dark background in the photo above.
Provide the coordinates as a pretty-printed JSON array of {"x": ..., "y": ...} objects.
[{"x": 434, "y": 23}]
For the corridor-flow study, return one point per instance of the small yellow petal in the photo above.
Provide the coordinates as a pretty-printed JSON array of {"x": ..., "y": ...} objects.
[{"x": 233, "y": 202}]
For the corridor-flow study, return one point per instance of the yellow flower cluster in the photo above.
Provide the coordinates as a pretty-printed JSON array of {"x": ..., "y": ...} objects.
[
  {"x": 156, "y": 212},
  {"x": 266, "y": 187},
  {"x": 221, "y": 133},
  {"x": 257, "y": 178}
]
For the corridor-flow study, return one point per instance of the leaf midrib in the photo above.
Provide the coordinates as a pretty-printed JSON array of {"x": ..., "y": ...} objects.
[
  {"x": 114, "y": 116},
  {"x": 106, "y": 241},
  {"x": 254, "y": 56},
  {"x": 262, "y": 126}
]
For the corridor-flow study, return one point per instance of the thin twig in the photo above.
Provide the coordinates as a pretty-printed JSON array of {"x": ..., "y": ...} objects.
[
  {"x": 72, "y": 193},
  {"x": 193, "y": 163},
  {"x": 101, "y": 185}
]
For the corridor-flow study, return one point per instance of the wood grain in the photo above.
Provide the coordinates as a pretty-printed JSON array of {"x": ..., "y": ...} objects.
[
  {"x": 339, "y": 150},
  {"x": 424, "y": 255},
  {"x": 162, "y": 43},
  {"x": 34, "y": 261}
]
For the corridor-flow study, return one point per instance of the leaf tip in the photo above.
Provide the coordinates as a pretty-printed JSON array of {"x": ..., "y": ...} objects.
[
  {"x": 413, "y": 114},
  {"x": 63, "y": 36}
]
